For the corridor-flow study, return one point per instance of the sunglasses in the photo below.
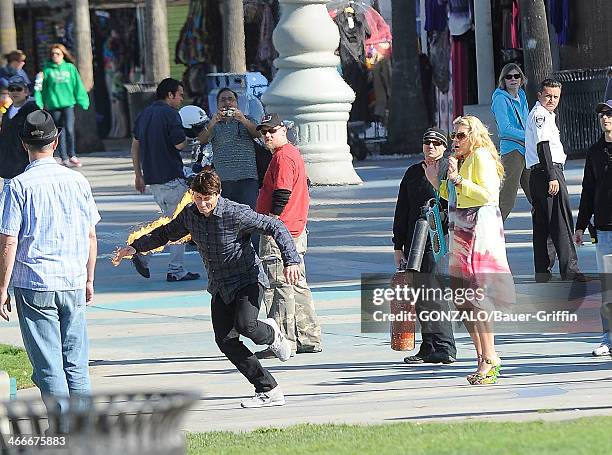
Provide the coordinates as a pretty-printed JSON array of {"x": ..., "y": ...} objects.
[
  {"x": 57, "y": 53},
  {"x": 265, "y": 131},
  {"x": 512, "y": 76},
  {"x": 15, "y": 88},
  {"x": 605, "y": 114},
  {"x": 458, "y": 136},
  {"x": 432, "y": 142}
]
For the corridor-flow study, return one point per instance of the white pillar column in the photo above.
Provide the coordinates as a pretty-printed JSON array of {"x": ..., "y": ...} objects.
[
  {"x": 484, "y": 51},
  {"x": 308, "y": 90}
]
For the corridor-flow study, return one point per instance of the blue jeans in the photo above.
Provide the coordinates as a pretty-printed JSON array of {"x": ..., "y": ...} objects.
[
  {"x": 602, "y": 248},
  {"x": 168, "y": 196},
  {"x": 64, "y": 118},
  {"x": 54, "y": 332}
]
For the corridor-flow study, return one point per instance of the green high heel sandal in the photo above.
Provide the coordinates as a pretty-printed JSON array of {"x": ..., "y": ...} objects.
[{"x": 490, "y": 377}]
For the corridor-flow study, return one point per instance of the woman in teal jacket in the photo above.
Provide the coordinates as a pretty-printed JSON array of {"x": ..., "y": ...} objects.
[
  {"x": 510, "y": 108},
  {"x": 57, "y": 92}
]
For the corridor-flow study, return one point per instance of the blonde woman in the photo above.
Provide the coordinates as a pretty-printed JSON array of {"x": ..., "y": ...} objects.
[
  {"x": 477, "y": 250},
  {"x": 61, "y": 88}
]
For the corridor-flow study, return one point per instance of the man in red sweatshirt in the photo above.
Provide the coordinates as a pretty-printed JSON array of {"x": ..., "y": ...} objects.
[{"x": 284, "y": 194}]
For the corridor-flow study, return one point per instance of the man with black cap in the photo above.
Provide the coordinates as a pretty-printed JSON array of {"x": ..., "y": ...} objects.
[
  {"x": 284, "y": 195},
  {"x": 13, "y": 156},
  {"x": 48, "y": 244},
  {"x": 438, "y": 345},
  {"x": 596, "y": 201}
]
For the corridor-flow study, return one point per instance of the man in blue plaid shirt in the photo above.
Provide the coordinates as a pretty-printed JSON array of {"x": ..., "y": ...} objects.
[{"x": 222, "y": 231}]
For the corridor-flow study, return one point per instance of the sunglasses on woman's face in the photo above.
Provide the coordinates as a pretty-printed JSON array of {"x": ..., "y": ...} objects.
[
  {"x": 458, "y": 136},
  {"x": 512, "y": 76},
  {"x": 15, "y": 89}
]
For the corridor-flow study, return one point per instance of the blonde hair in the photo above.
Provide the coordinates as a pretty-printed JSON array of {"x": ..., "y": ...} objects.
[
  {"x": 479, "y": 137},
  {"x": 501, "y": 82},
  {"x": 67, "y": 55}
]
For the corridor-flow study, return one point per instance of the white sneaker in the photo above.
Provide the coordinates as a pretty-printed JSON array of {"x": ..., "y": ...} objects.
[
  {"x": 601, "y": 350},
  {"x": 273, "y": 397},
  {"x": 280, "y": 346}
]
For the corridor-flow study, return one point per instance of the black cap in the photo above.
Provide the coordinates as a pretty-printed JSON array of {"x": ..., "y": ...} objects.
[
  {"x": 436, "y": 134},
  {"x": 269, "y": 121},
  {"x": 17, "y": 81},
  {"x": 39, "y": 129},
  {"x": 604, "y": 106}
]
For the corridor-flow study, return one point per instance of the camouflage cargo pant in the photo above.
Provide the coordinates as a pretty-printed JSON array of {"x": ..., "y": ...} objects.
[{"x": 291, "y": 306}]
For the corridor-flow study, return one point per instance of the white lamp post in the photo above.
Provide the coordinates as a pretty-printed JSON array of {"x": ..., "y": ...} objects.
[{"x": 308, "y": 90}]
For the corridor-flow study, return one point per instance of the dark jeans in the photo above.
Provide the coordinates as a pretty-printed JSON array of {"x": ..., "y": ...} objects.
[
  {"x": 552, "y": 217},
  {"x": 236, "y": 318},
  {"x": 244, "y": 192},
  {"x": 437, "y": 336},
  {"x": 64, "y": 118}
]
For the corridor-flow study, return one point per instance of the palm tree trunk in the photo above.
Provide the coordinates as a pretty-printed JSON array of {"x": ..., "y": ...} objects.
[
  {"x": 86, "y": 128},
  {"x": 536, "y": 45},
  {"x": 234, "y": 53},
  {"x": 8, "y": 34},
  {"x": 408, "y": 114}
]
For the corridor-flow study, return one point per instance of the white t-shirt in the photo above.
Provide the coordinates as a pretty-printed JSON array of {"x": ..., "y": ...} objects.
[{"x": 541, "y": 127}]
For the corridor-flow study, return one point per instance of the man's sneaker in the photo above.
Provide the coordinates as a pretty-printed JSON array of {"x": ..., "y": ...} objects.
[
  {"x": 74, "y": 161},
  {"x": 268, "y": 354},
  {"x": 189, "y": 276},
  {"x": 605, "y": 348},
  {"x": 140, "y": 266},
  {"x": 273, "y": 397},
  {"x": 65, "y": 163},
  {"x": 280, "y": 346}
]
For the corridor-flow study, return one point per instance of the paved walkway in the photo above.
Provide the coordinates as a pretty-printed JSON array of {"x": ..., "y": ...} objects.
[{"x": 150, "y": 334}]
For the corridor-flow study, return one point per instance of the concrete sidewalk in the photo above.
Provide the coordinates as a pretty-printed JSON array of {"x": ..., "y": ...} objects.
[{"x": 150, "y": 334}]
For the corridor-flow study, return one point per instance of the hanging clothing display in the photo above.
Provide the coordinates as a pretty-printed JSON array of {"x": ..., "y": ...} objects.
[
  {"x": 460, "y": 16},
  {"x": 354, "y": 29},
  {"x": 436, "y": 15},
  {"x": 200, "y": 37},
  {"x": 265, "y": 50},
  {"x": 559, "y": 18},
  {"x": 439, "y": 45},
  {"x": 510, "y": 22}
]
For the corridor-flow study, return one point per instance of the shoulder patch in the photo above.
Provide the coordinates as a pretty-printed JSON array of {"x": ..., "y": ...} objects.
[{"x": 539, "y": 120}]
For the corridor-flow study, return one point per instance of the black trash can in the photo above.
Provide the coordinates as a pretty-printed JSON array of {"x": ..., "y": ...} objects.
[
  {"x": 582, "y": 90},
  {"x": 103, "y": 424},
  {"x": 140, "y": 95}
]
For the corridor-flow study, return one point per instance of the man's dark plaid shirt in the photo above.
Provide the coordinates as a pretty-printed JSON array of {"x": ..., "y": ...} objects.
[{"x": 224, "y": 242}]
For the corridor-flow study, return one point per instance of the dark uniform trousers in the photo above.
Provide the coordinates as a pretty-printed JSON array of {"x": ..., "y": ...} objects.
[{"x": 552, "y": 216}]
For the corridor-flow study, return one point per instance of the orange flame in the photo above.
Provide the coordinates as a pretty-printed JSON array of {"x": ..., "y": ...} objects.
[{"x": 160, "y": 222}]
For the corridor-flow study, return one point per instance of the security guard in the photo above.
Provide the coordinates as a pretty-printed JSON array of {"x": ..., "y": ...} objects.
[{"x": 551, "y": 214}]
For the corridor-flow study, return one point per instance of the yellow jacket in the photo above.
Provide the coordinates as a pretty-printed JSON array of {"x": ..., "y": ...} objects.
[{"x": 480, "y": 184}]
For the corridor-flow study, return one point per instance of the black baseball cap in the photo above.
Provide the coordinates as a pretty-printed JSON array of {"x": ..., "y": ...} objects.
[
  {"x": 269, "y": 121},
  {"x": 604, "y": 106},
  {"x": 39, "y": 129}
]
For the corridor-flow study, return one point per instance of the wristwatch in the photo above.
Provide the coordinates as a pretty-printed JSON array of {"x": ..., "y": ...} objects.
[{"x": 458, "y": 180}]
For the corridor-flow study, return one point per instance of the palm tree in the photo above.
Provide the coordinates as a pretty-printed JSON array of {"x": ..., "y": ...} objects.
[
  {"x": 408, "y": 115},
  {"x": 536, "y": 45}
]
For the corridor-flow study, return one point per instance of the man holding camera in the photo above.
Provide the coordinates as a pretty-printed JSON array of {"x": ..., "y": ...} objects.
[{"x": 231, "y": 135}]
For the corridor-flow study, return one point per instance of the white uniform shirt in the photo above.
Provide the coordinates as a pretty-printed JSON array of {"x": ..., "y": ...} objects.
[{"x": 541, "y": 127}]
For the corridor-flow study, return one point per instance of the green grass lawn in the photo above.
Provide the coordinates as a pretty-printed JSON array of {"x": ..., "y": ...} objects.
[
  {"x": 589, "y": 436},
  {"x": 16, "y": 363}
]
